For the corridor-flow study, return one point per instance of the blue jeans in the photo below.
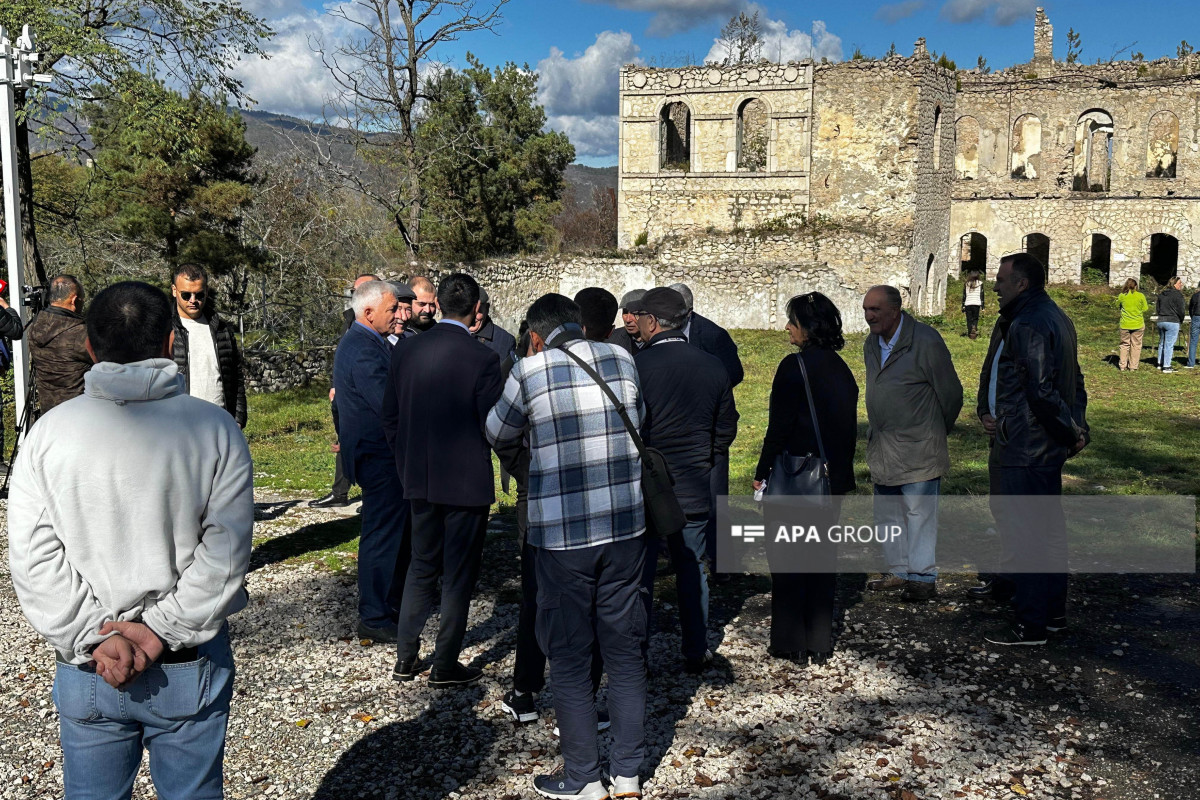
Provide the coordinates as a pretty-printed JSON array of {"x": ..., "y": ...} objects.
[
  {"x": 1194, "y": 338},
  {"x": 177, "y": 711},
  {"x": 914, "y": 507},
  {"x": 1168, "y": 332},
  {"x": 691, "y": 584},
  {"x": 585, "y": 596}
]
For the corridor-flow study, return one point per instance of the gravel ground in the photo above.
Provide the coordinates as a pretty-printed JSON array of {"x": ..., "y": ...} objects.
[{"x": 911, "y": 706}]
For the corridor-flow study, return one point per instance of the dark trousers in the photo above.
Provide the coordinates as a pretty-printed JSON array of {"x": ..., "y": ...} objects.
[
  {"x": 686, "y": 550},
  {"x": 383, "y": 547},
  {"x": 802, "y": 602},
  {"x": 586, "y": 596},
  {"x": 341, "y": 485},
  {"x": 1035, "y": 534},
  {"x": 718, "y": 484},
  {"x": 447, "y": 543},
  {"x": 972, "y": 313}
]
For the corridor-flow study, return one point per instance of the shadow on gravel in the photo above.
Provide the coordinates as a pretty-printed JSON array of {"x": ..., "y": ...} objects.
[
  {"x": 425, "y": 758},
  {"x": 305, "y": 540},
  {"x": 264, "y": 512}
]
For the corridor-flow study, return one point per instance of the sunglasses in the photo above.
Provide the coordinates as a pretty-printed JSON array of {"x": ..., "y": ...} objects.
[{"x": 187, "y": 296}]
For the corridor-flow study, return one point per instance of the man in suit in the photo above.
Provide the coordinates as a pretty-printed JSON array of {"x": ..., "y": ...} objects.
[
  {"x": 360, "y": 373},
  {"x": 424, "y": 307},
  {"x": 626, "y": 337},
  {"x": 339, "y": 495},
  {"x": 485, "y": 330},
  {"x": 713, "y": 339},
  {"x": 439, "y": 390}
]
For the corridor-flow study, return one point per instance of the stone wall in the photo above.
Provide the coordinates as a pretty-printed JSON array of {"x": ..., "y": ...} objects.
[
  {"x": 275, "y": 370},
  {"x": 709, "y": 190}
]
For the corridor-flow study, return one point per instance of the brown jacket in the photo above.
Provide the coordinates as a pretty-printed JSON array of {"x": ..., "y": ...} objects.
[{"x": 59, "y": 358}]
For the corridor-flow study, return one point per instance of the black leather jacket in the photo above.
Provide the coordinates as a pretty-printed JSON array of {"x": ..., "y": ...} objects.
[{"x": 1041, "y": 405}]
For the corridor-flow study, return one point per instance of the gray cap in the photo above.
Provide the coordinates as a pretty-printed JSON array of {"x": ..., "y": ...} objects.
[
  {"x": 631, "y": 297},
  {"x": 403, "y": 291}
]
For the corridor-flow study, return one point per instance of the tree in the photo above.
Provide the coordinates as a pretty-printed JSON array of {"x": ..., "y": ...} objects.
[
  {"x": 90, "y": 45},
  {"x": 742, "y": 37},
  {"x": 378, "y": 72},
  {"x": 1074, "y": 46},
  {"x": 1184, "y": 49},
  {"x": 981, "y": 66},
  {"x": 858, "y": 55},
  {"x": 173, "y": 173},
  {"x": 493, "y": 177},
  {"x": 891, "y": 51}
]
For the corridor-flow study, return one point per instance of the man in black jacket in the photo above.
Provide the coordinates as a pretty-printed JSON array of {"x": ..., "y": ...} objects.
[
  {"x": 691, "y": 419},
  {"x": 206, "y": 348},
  {"x": 712, "y": 338},
  {"x": 440, "y": 388},
  {"x": 485, "y": 329},
  {"x": 1033, "y": 406},
  {"x": 56, "y": 344},
  {"x": 626, "y": 336}
]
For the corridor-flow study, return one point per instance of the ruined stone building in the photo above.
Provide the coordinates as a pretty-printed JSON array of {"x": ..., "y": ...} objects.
[{"x": 764, "y": 179}]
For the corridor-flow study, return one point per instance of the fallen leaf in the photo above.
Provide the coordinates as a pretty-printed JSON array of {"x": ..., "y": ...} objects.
[
  {"x": 1019, "y": 789},
  {"x": 363, "y": 717},
  {"x": 919, "y": 760},
  {"x": 704, "y": 780},
  {"x": 303, "y": 723},
  {"x": 881, "y": 762}
]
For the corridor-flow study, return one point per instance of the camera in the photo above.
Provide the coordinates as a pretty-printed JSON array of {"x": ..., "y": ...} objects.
[{"x": 34, "y": 297}]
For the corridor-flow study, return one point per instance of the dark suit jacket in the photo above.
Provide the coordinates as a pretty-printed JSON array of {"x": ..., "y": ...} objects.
[
  {"x": 497, "y": 339},
  {"x": 360, "y": 373},
  {"x": 621, "y": 338},
  {"x": 712, "y": 338},
  {"x": 440, "y": 388}
]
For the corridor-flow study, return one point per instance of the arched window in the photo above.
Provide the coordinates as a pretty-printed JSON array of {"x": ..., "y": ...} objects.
[
  {"x": 972, "y": 253},
  {"x": 675, "y": 138},
  {"x": 1038, "y": 246},
  {"x": 1093, "y": 151},
  {"x": 1097, "y": 257},
  {"x": 753, "y": 135},
  {"x": 966, "y": 157},
  {"x": 937, "y": 138},
  {"x": 1162, "y": 147},
  {"x": 1027, "y": 147}
]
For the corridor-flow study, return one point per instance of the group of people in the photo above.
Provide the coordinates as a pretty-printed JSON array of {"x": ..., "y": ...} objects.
[
  {"x": 569, "y": 406},
  {"x": 1171, "y": 310}
]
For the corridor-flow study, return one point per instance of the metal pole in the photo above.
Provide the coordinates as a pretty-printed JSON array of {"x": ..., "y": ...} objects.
[{"x": 9, "y": 65}]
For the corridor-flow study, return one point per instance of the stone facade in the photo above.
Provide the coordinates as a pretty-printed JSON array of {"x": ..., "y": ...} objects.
[{"x": 275, "y": 370}]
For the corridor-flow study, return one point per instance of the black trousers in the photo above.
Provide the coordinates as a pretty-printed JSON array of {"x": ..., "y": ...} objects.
[
  {"x": 802, "y": 602},
  {"x": 341, "y": 485},
  {"x": 1033, "y": 533},
  {"x": 447, "y": 543},
  {"x": 383, "y": 547},
  {"x": 972, "y": 313}
]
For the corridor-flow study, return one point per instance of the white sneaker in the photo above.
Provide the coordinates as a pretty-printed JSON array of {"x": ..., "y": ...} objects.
[{"x": 627, "y": 788}]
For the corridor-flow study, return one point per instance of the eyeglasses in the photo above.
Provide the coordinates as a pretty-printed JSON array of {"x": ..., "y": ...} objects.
[{"x": 187, "y": 296}]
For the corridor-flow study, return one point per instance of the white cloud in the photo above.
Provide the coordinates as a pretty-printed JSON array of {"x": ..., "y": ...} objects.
[
  {"x": 676, "y": 16},
  {"x": 580, "y": 93},
  {"x": 894, "y": 12},
  {"x": 1000, "y": 12},
  {"x": 780, "y": 44}
]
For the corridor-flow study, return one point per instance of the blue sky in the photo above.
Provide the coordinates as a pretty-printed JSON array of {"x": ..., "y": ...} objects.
[{"x": 577, "y": 46}]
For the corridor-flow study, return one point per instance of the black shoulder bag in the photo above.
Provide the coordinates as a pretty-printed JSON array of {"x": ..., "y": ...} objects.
[
  {"x": 806, "y": 475},
  {"x": 664, "y": 515}
]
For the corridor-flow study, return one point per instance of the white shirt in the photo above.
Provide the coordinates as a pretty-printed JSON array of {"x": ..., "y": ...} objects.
[
  {"x": 204, "y": 372},
  {"x": 885, "y": 348},
  {"x": 974, "y": 296}
]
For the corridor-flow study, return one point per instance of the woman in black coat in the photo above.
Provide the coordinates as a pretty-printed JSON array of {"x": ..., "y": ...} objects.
[{"x": 802, "y": 603}]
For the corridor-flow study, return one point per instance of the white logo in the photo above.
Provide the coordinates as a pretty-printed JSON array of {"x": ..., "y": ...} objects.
[{"x": 748, "y": 533}]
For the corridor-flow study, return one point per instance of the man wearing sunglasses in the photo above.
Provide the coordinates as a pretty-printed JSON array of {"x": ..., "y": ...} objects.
[{"x": 206, "y": 349}]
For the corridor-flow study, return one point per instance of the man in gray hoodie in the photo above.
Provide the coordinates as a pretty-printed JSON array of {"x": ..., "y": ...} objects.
[
  {"x": 913, "y": 399},
  {"x": 128, "y": 555}
]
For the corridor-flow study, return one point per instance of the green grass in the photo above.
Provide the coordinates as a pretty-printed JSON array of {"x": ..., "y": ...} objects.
[{"x": 1144, "y": 424}]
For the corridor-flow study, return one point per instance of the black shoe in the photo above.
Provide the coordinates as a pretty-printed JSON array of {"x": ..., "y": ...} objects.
[
  {"x": 795, "y": 656},
  {"x": 521, "y": 706},
  {"x": 381, "y": 635},
  {"x": 1015, "y": 635},
  {"x": 983, "y": 591},
  {"x": 559, "y": 785},
  {"x": 408, "y": 668},
  {"x": 457, "y": 675},
  {"x": 330, "y": 500},
  {"x": 819, "y": 659},
  {"x": 1056, "y": 624},
  {"x": 918, "y": 591},
  {"x": 697, "y": 666}
]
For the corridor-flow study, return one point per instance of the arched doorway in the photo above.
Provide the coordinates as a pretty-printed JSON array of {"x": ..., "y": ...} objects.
[
  {"x": 1038, "y": 246},
  {"x": 1097, "y": 257},
  {"x": 1162, "y": 257},
  {"x": 929, "y": 287},
  {"x": 973, "y": 253}
]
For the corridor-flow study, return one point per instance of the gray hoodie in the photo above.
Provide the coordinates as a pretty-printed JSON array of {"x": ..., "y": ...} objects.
[{"x": 133, "y": 501}]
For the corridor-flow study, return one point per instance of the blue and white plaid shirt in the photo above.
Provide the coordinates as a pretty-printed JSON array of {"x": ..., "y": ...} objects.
[{"x": 585, "y": 474}]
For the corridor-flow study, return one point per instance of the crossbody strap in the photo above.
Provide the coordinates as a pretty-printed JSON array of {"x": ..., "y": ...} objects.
[
  {"x": 637, "y": 440},
  {"x": 812, "y": 409}
]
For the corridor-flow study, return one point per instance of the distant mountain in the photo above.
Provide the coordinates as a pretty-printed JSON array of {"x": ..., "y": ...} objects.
[{"x": 583, "y": 181}]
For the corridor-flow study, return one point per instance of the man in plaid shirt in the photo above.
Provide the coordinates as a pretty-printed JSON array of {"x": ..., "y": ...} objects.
[{"x": 586, "y": 520}]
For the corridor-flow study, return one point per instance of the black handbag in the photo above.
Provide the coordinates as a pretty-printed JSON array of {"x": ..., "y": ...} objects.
[
  {"x": 806, "y": 475},
  {"x": 664, "y": 515}
]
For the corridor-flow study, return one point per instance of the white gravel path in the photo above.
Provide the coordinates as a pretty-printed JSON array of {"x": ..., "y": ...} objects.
[{"x": 316, "y": 713}]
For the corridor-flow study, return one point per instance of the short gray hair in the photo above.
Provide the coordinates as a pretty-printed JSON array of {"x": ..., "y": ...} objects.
[
  {"x": 890, "y": 293},
  {"x": 369, "y": 295},
  {"x": 684, "y": 290},
  {"x": 631, "y": 297}
]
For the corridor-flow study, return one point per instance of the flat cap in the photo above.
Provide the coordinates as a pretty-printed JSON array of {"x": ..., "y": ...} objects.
[
  {"x": 662, "y": 302},
  {"x": 631, "y": 297},
  {"x": 404, "y": 292}
]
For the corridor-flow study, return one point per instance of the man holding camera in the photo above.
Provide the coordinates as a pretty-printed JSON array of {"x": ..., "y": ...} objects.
[{"x": 56, "y": 344}]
